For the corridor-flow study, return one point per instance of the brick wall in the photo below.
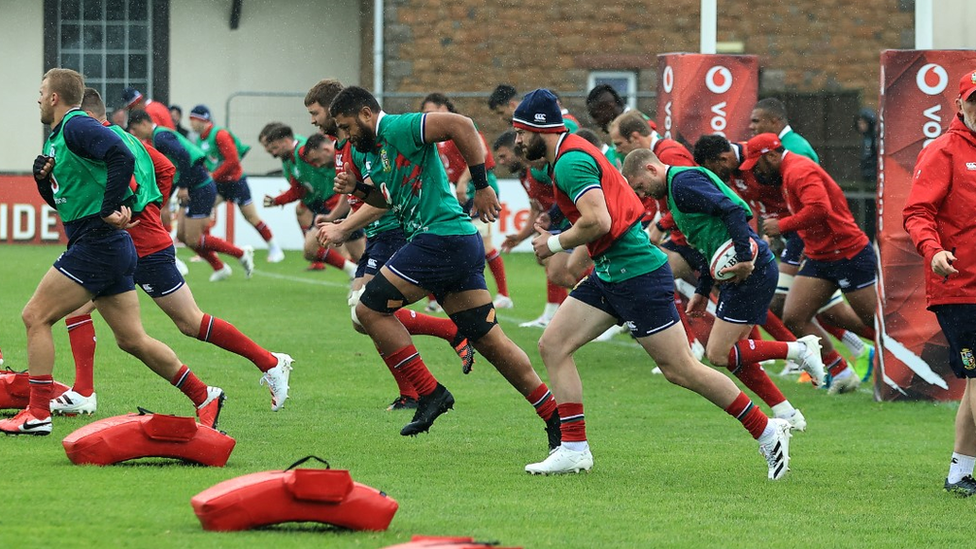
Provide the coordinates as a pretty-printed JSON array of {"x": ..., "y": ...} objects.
[{"x": 458, "y": 46}]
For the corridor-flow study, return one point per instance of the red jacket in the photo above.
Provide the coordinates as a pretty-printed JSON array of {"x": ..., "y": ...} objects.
[
  {"x": 818, "y": 211},
  {"x": 160, "y": 114},
  {"x": 938, "y": 214}
]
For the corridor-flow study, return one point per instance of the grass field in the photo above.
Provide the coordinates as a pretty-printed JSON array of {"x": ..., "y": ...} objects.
[{"x": 671, "y": 470}]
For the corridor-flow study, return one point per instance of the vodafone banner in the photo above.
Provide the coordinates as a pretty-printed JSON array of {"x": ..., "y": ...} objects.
[
  {"x": 918, "y": 92},
  {"x": 700, "y": 94},
  {"x": 24, "y": 216}
]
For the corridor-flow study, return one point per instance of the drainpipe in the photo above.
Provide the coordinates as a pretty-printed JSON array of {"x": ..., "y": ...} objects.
[
  {"x": 924, "y": 32},
  {"x": 709, "y": 21},
  {"x": 378, "y": 50}
]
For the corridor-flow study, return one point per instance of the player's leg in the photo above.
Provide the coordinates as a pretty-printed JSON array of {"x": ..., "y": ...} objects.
[
  {"x": 250, "y": 213},
  {"x": 81, "y": 398},
  {"x": 317, "y": 253}
]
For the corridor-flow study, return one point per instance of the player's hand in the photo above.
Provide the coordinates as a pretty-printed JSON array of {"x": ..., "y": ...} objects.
[
  {"x": 120, "y": 219},
  {"x": 486, "y": 205},
  {"x": 771, "y": 226},
  {"x": 942, "y": 263},
  {"x": 320, "y": 219},
  {"x": 42, "y": 167},
  {"x": 741, "y": 270},
  {"x": 696, "y": 305},
  {"x": 331, "y": 234},
  {"x": 268, "y": 201},
  {"x": 655, "y": 234},
  {"x": 543, "y": 220},
  {"x": 510, "y": 242},
  {"x": 344, "y": 183},
  {"x": 183, "y": 196},
  {"x": 540, "y": 244}
]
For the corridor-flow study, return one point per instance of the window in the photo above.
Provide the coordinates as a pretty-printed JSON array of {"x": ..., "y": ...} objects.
[
  {"x": 110, "y": 42},
  {"x": 625, "y": 82}
]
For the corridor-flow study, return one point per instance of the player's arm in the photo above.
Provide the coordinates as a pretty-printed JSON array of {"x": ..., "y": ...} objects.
[
  {"x": 811, "y": 193},
  {"x": 527, "y": 230},
  {"x": 232, "y": 160},
  {"x": 168, "y": 144},
  {"x": 441, "y": 126},
  {"x": 87, "y": 138},
  {"x": 340, "y": 211},
  {"x": 337, "y": 233},
  {"x": 294, "y": 193},
  {"x": 164, "y": 169},
  {"x": 930, "y": 185},
  {"x": 587, "y": 194}
]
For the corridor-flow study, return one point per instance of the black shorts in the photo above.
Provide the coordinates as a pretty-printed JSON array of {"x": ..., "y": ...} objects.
[
  {"x": 850, "y": 275},
  {"x": 748, "y": 302},
  {"x": 237, "y": 192},
  {"x": 958, "y": 323},
  {"x": 379, "y": 249},
  {"x": 201, "y": 201},
  {"x": 793, "y": 250},
  {"x": 442, "y": 265},
  {"x": 157, "y": 274},
  {"x": 102, "y": 264},
  {"x": 645, "y": 302}
]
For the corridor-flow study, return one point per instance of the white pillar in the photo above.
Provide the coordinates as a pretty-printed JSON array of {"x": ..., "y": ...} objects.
[
  {"x": 709, "y": 22},
  {"x": 924, "y": 24}
]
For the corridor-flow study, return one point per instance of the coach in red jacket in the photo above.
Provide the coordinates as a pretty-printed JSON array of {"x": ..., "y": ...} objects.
[{"x": 939, "y": 218}]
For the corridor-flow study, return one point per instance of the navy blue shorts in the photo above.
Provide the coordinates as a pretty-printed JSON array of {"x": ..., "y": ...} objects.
[
  {"x": 442, "y": 265},
  {"x": 201, "y": 201},
  {"x": 958, "y": 323},
  {"x": 645, "y": 302},
  {"x": 379, "y": 249},
  {"x": 850, "y": 275},
  {"x": 237, "y": 192},
  {"x": 102, "y": 264},
  {"x": 689, "y": 254},
  {"x": 748, "y": 302},
  {"x": 793, "y": 251},
  {"x": 356, "y": 235},
  {"x": 157, "y": 274}
]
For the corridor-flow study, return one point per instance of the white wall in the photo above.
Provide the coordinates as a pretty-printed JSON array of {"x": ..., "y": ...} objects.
[
  {"x": 953, "y": 22},
  {"x": 280, "y": 46},
  {"x": 22, "y": 66}
]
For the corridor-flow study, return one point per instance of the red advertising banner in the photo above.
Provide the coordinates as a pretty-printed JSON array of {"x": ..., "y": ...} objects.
[
  {"x": 24, "y": 216},
  {"x": 699, "y": 94},
  {"x": 918, "y": 92}
]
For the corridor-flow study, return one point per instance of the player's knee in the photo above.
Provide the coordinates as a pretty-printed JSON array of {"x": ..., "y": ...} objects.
[
  {"x": 380, "y": 296},
  {"x": 718, "y": 356},
  {"x": 475, "y": 323},
  {"x": 130, "y": 343},
  {"x": 353, "y": 302}
]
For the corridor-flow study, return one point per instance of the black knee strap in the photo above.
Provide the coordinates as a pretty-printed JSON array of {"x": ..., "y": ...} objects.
[
  {"x": 475, "y": 323},
  {"x": 381, "y": 296}
]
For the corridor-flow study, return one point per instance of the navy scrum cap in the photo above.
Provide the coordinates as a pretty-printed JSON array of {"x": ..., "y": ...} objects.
[
  {"x": 539, "y": 112},
  {"x": 200, "y": 112},
  {"x": 130, "y": 96}
]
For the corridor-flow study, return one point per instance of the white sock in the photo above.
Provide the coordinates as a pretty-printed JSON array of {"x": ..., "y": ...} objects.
[
  {"x": 767, "y": 435},
  {"x": 550, "y": 310},
  {"x": 960, "y": 466},
  {"x": 349, "y": 268},
  {"x": 783, "y": 409},
  {"x": 576, "y": 446},
  {"x": 794, "y": 348},
  {"x": 846, "y": 372},
  {"x": 853, "y": 343}
]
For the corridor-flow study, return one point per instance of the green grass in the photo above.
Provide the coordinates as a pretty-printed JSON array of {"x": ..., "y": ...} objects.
[{"x": 671, "y": 470}]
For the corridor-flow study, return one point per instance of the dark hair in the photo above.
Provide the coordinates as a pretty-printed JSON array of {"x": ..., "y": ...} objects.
[
  {"x": 323, "y": 92},
  {"x": 773, "y": 107},
  {"x": 315, "y": 141},
  {"x": 590, "y": 136},
  {"x": 599, "y": 90},
  {"x": 438, "y": 99},
  {"x": 279, "y": 131},
  {"x": 91, "y": 101},
  {"x": 176, "y": 108},
  {"x": 265, "y": 132},
  {"x": 503, "y": 94},
  {"x": 633, "y": 121},
  {"x": 138, "y": 117},
  {"x": 352, "y": 100},
  {"x": 506, "y": 139},
  {"x": 710, "y": 147}
]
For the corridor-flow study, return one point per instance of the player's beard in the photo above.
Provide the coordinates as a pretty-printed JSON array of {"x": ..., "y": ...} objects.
[
  {"x": 366, "y": 141},
  {"x": 535, "y": 149},
  {"x": 969, "y": 120}
]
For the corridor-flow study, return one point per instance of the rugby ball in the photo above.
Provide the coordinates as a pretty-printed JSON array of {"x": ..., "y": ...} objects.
[{"x": 725, "y": 257}]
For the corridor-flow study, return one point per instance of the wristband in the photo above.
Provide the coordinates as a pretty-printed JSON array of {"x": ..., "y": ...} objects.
[
  {"x": 479, "y": 176},
  {"x": 365, "y": 189},
  {"x": 660, "y": 227},
  {"x": 554, "y": 245}
]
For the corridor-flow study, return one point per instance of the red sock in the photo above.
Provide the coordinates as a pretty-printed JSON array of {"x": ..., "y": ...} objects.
[
  {"x": 777, "y": 329},
  {"x": 192, "y": 387},
  {"x": 835, "y": 363},
  {"x": 497, "y": 267},
  {"x": 831, "y": 329},
  {"x": 331, "y": 257},
  {"x": 555, "y": 293},
  {"x": 747, "y": 351},
  {"x": 751, "y": 417},
  {"x": 680, "y": 306},
  {"x": 210, "y": 257},
  {"x": 757, "y": 380},
  {"x": 41, "y": 389},
  {"x": 219, "y": 245},
  {"x": 81, "y": 335},
  {"x": 572, "y": 423},
  {"x": 403, "y": 384},
  {"x": 867, "y": 333},
  {"x": 265, "y": 231},
  {"x": 407, "y": 360},
  {"x": 543, "y": 401},
  {"x": 421, "y": 324},
  {"x": 224, "y": 335}
]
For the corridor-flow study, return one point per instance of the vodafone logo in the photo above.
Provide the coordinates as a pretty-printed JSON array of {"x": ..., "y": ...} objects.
[
  {"x": 668, "y": 79},
  {"x": 718, "y": 79},
  {"x": 932, "y": 79}
]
